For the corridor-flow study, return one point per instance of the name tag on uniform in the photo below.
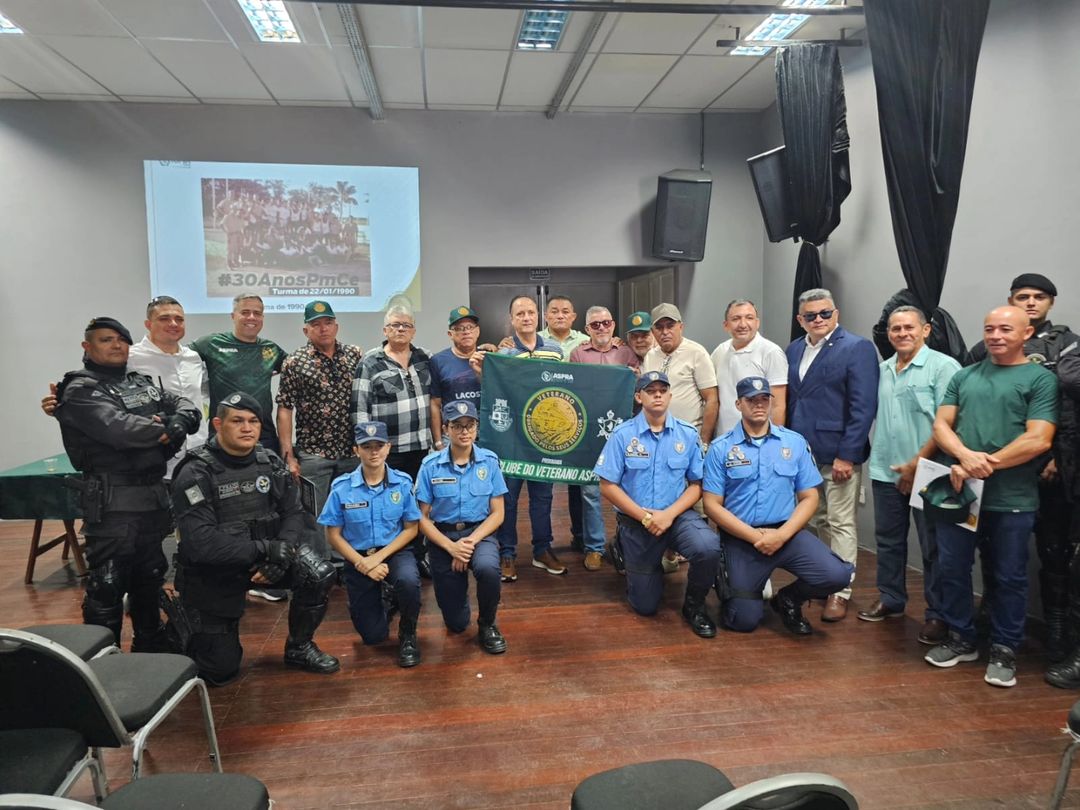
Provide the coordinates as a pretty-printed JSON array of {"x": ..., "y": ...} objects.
[
  {"x": 449, "y": 480},
  {"x": 636, "y": 449},
  {"x": 735, "y": 458},
  {"x": 357, "y": 505},
  {"x": 229, "y": 490}
]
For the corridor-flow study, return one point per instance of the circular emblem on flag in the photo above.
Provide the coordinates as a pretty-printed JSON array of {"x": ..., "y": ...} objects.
[
  {"x": 462, "y": 408},
  {"x": 233, "y": 399},
  {"x": 463, "y": 311},
  {"x": 757, "y": 385},
  {"x": 154, "y": 394},
  {"x": 319, "y": 306},
  {"x": 554, "y": 420},
  {"x": 262, "y": 483},
  {"x": 371, "y": 430}
]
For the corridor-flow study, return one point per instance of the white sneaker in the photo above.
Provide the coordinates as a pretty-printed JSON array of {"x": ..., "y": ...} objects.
[{"x": 269, "y": 594}]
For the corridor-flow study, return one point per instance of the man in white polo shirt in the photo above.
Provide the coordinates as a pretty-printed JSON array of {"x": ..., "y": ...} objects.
[{"x": 747, "y": 354}]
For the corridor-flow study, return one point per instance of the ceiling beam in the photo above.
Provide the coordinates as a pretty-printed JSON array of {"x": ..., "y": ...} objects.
[
  {"x": 575, "y": 64},
  {"x": 784, "y": 43},
  {"x": 354, "y": 32},
  {"x": 745, "y": 9}
]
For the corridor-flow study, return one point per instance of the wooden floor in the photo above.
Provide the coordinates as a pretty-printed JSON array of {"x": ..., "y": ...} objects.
[{"x": 585, "y": 686}]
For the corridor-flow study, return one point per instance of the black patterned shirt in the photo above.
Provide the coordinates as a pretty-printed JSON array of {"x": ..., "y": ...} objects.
[
  {"x": 317, "y": 389},
  {"x": 383, "y": 391}
]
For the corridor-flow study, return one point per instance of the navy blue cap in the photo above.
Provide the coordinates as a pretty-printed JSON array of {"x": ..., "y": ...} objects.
[
  {"x": 239, "y": 401},
  {"x": 459, "y": 409},
  {"x": 370, "y": 432},
  {"x": 110, "y": 323},
  {"x": 650, "y": 377},
  {"x": 752, "y": 387}
]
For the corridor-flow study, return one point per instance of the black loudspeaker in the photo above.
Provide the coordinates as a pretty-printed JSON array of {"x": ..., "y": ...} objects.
[
  {"x": 769, "y": 173},
  {"x": 682, "y": 215}
]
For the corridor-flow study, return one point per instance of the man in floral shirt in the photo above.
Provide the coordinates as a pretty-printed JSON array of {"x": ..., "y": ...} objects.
[{"x": 316, "y": 383}]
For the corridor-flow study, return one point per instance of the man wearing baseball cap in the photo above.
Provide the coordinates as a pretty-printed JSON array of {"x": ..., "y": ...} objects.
[
  {"x": 371, "y": 518},
  {"x": 460, "y": 490},
  {"x": 241, "y": 523},
  {"x": 639, "y": 333},
  {"x": 313, "y": 396},
  {"x": 650, "y": 470},
  {"x": 760, "y": 487},
  {"x": 119, "y": 429},
  {"x": 455, "y": 370}
]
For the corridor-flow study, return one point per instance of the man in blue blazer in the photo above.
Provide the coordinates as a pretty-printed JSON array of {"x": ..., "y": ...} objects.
[{"x": 832, "y": 399}]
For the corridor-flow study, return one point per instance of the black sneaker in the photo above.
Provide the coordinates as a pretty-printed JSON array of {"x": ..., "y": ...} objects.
[
  {"x": 1001, "y": 671},
  {"x": 491, "y": 640},
  {"x": 308, "y": 656},
  {"x": 408, "y": 653},
  {"x": 951, "y": 652}
]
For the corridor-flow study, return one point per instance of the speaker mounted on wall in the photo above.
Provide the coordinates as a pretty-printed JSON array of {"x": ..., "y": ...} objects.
[
  {"x": 769, "y": 173},
  {"x": 682, "y": 215}
]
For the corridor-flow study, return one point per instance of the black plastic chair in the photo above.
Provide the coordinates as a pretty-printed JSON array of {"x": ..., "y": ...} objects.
[
  {"x": 174, "y": 791},
  {"x": 683, "y": 784},
  {"x": 1073, "y": 730},
  {"x": 46, "y": 760},
  {"x": 113, "y": 701},
  {"x": 85, "y": 640}
]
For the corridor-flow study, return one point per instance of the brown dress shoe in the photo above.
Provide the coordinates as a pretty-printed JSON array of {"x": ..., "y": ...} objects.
[
  {"x": 934, "y": 632},
  {"x": 507, "y": 569},
  {"x": 594, "y": 561},
  {"x": 878, "y": 612},
  {"x": 835, "y": 609}
]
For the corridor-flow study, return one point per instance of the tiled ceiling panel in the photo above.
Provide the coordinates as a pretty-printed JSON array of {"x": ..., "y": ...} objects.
[
  {"x": 534, "y": 78},
  {"x": 122, "y": 65},
  {"x": 464, "y": 77},
  {"x": 621, "y": 80},
  {"x": 479, "y": 29},
  {"x": 294, "y": 71},
  {"x": 655, "y": 33},
  {"x": 79, "y": 17},
  {"x": 696, "y": 80},
  {"x": 210, "y": 69},
  {"x": 175, "y": 19},
  {"x": 41, "y": 70}
]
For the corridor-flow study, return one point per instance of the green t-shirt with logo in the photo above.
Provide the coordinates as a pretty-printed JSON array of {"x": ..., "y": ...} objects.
[
  {"x": 994, "y": 404},
  {"x": 233, "y": 365}
]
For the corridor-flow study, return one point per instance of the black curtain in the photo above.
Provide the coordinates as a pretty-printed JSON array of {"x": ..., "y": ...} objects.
[
  {"x": 813, "y": 114},
  {"x": 925, "y": 53}
]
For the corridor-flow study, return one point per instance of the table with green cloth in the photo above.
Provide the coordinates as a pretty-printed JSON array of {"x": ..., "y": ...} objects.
[{"x": 36, "y": 491}]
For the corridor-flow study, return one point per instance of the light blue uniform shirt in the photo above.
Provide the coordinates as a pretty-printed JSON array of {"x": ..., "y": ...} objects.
[
  {"x": 370, "y": 517},
  {"x": 907, "y": 403},
  {"x": 759, "y": 481},
  {"x": 652, "y": 468},
  {"x": 460, "y": 494}
]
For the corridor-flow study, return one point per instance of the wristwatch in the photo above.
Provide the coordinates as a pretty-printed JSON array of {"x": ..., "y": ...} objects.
[{"x": 647, "y": 519}]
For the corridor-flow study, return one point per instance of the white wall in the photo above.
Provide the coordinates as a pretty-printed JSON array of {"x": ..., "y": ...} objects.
[{"x": 496, "y": 190}]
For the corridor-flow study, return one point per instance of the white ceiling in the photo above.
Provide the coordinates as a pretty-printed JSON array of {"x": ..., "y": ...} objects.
[{"x": 204, "y": 51}]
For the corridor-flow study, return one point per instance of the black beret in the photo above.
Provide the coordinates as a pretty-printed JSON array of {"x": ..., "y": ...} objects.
[
  {"x": 1035, "y": 281},
  {"x": 110, "y": 323},
  {"x": 240, "y": 401}
]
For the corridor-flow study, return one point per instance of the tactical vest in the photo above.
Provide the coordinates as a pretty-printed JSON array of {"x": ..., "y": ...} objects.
[
  {"x": 136, "y": 394},
  {"x": 244, "y": 495}
]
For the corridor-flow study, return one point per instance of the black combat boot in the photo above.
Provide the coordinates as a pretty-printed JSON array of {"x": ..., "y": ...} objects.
[
  {"x": 408, "y": 654},
  {"x": 693, "y": 610},
  {"x": 789, "y": 606},
  {"x": 1065, "y": 674},
  {"x": 301, "y": 651},
  {"x": 1055, "y": 598},
  {"x": 491, "y": 640}
]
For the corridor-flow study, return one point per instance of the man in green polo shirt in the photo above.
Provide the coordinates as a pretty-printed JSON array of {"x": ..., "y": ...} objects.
[
  {"x": 996, "y": 422},
  {"x": 911, "y": 386}
]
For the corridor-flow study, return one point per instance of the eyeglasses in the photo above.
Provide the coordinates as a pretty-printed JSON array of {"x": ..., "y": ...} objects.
[
  {"x": 464, "y": 329},
  {"x": 463, "y": 427},
  {"x": 400, "y": 327},
  {"x": 824, "y": 314},
  {"x": 598, "y": 325}
]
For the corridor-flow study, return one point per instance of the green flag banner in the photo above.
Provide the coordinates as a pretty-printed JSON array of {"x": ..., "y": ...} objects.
[{"x": 549, "y": 421}]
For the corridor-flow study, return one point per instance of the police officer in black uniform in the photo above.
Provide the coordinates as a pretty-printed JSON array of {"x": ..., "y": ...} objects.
[
  {"x": 1057, "y": 524},
  {"x": 119, "y": 430},
  {"x": 240, "y": 519}
]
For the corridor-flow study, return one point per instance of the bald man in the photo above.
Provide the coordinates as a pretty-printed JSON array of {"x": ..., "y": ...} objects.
[{"x": 996, "y": 423}]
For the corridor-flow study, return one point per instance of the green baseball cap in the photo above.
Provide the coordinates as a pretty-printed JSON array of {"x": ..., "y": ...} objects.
[
  {"x": 639, "y": 322},
  {"x": 943, "y": 503},
  {"x": 460, "y": 313},
  {"x": 316, "y": 310}
]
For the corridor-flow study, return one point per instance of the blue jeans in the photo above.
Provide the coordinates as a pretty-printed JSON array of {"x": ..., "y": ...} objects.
[
  {"x": 592, "y": 513},
  {"x": 820, "y": 572},
  {"x": 1005, "y": 535},
  {"x": 539, "y": 517},
  {"x": 891, "y": 521}
]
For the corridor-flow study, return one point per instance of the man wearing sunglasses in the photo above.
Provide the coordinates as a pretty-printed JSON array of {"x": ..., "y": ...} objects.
[
  {"x": 832, "y": 400},
  {"x": 600, "y": 350}
]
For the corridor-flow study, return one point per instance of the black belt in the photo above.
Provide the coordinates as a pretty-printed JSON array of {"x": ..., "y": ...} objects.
[
  {"x": 367, "y": 552},
  {"x": 771, "y": 525},
  {"x": 128, "y": 479},
  {"x": 456, "y": 527}
]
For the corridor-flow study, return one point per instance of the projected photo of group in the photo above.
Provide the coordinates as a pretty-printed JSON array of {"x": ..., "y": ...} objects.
[
  {"x": 276, "y": 238},
  {"x": 286, "y": 232}
]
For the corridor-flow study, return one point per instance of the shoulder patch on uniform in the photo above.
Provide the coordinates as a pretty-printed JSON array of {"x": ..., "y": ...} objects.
[
  {"x": 785, "y": 452},
  {"x": 194, "y": 495},
  {"x": 395, "y": 497},
  {"x": 481, "y": 473}
]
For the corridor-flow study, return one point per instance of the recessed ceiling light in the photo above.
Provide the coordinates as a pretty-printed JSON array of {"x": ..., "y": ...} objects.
[
  {"x": 541, "y": 30},
  {"x": 8, "y": 27},
  {"x": 270, "y": 19},
  {"x": 776, "y": 26}
]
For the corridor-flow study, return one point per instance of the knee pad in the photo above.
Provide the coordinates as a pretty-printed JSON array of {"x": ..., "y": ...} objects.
[
  {"x": 107, "y": 584},
  {"x": 313, "y": 576}
]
